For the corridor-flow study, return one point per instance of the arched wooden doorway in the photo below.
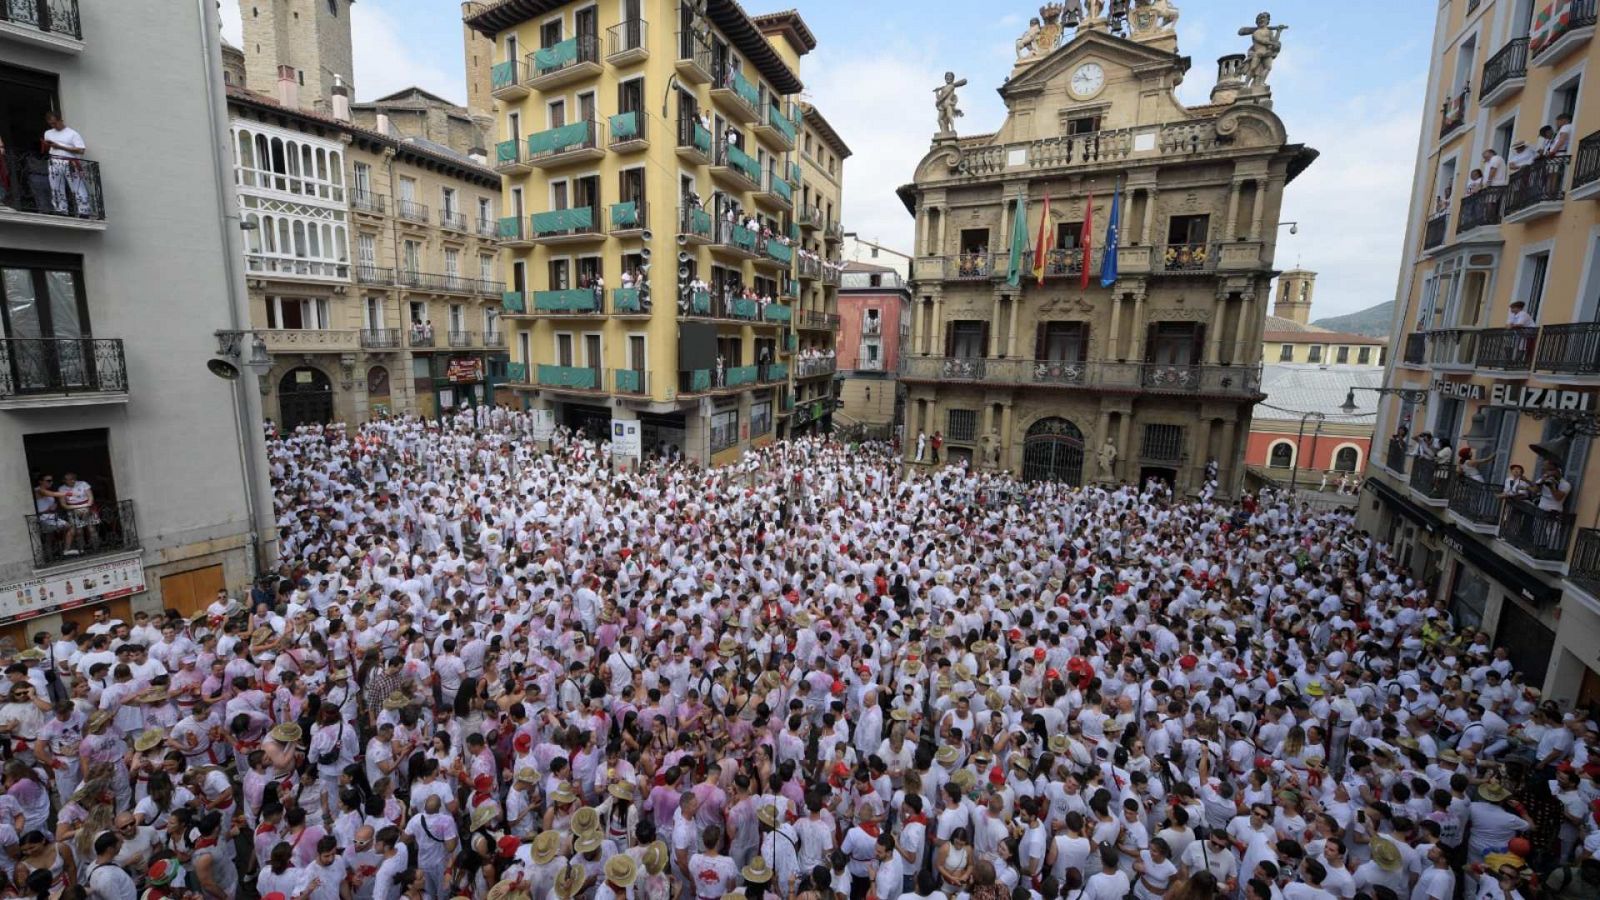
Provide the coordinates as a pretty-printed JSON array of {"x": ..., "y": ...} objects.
[{"x": 305, "y": 397}]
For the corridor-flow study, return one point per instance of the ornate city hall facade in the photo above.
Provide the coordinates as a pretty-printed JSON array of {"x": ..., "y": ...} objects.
[{"x": 1046, "y": 372}]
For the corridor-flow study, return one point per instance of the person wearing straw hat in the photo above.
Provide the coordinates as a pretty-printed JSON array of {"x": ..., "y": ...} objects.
[
  {"x": 778, "y": 847},
  {"x": 569, "y": 881},
  {"x": 620, "y": 872}
]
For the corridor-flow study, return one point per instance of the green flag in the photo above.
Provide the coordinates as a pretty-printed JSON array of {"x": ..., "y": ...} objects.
[{"x": 1019, "y": 245}]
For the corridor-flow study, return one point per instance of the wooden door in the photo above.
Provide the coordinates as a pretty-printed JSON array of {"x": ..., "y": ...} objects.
[{"x": 190, "y": 592}]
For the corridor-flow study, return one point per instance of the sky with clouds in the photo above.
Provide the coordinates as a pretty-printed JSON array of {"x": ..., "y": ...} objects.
[{"x": 1350, "y": 83}]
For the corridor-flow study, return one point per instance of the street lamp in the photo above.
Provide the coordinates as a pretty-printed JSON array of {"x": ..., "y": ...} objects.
[{"x": 1294, "y": 475}]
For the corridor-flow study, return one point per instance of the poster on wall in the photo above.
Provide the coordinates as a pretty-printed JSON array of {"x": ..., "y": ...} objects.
[
  {"x": 626, "y": 446},
  {"x": 464, "y": 369},
  {"x": 52, "y": 593},
  {"x": 544, "y": 424}
]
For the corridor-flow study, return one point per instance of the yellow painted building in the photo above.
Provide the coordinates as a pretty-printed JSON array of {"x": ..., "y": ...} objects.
[
  {"x": 1492, "y": 223},
  {"x": 656, "y": 165}
]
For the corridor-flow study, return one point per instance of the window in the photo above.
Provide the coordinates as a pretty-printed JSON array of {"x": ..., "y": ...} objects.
[
  {"x": 458, "y": 317},
  {"x": 485, "y": 267},
  {"x": 485, "y": 212},
  {"x": 760, "y": 417},
  {"x": 724, "y": 430},
  {"x": 1286, "y": 353},
  {"x": 974, "y": 240},
  {"x": 452, "y": 262},
  {"x": 333, "y": 8},
  {"x": 46, "y": 317},
  {"x": 874, "y": 252},
  {"x": 967, "y": 339},
  {"x": 550, "y": 33},
  {"x": 1314, "y": 353},
  {"x": 961, "y": 425},
  {"x": 1188, "y": 230},
  {"x": 491, "y": 320},
  {"x": 1281, "y": 456},
  {"x": 1341, "y": 355},
  {"x": 419, "y": 311},
  {"x": 1348, "y": 459},
  {"x": 447, "y": 201},
  {"x": 411, "y": 256},
  {"x": 1564, "y": 100},
  {"x": 1163, "y": 443},
  {"x": 362, "y": 173},
  {"x": 86, "y": 455},
  {"x": 564, "y": 352},
  {"x": 1364, "y": 356},
  {"x": 373, "y": 319},
  {"x": 1531, "y": 280},
  {"x": 408, "y": 189},
  {"x": 1083, "y": 124},
  {"x": 297, "y": 313},
  {"x": 1062, "y": 342}
]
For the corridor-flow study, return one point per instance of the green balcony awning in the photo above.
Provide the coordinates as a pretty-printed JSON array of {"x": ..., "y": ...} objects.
[
  {"x": 553, "y": 140},
  {"x": 624, "y": 126},
  {"x": 625, "y": 215},
  {"x": 556, "y": 56},
  {"x": 569, "y": 377},
  {"x": 557, "y": 220},
  {"x": 503, "y": 74},
  {"x": 573, "y": 300},
  {"x": 511, "y": 302}
]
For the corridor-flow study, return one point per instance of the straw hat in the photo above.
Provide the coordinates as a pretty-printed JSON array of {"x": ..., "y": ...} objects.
[
  {"x": 148, "y": 739},
  {"x": 587, "y": 843},
  {"x": 99, "y": 721},
  {"x": 569, "y": 881},
  {"x": 287, "y": 733},
  {"x": 728, "y": 646},
  {"x": 963, "y": 779},
  {"x": 654, "y": 858},
  {"x": 768, "y": 814},
  {"x": 527, "y": 774},
  {"x": 1058, "y": 744},
  {"x": 621, "y": 790},
  {"x": 32, "y": 654},
  {"x": 483, "y": 815},
  {"x": 900, "y": 714},
  {"x": 1386, "y": 855},
  {"x": 1492, "y": 793},
  {"x": 757, "y": 872},
  {"x": 563, "y": 794},
  {"x": 545, "y": 846},
  {"x": 946, "y": 756},
  {"x": 586, "y": 821},
  {"x": 621, "y": 870},
  {"x": 396, "y": 700}
]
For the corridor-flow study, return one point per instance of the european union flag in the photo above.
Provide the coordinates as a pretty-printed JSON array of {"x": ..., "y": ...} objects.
[{"x": 1108, "y": 255}]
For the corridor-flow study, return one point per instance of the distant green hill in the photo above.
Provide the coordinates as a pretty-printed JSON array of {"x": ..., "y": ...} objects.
[{"x": 1372, "y": 321}]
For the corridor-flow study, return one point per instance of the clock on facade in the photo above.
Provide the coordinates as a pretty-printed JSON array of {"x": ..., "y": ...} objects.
[{"x": 1087, "y": 81}]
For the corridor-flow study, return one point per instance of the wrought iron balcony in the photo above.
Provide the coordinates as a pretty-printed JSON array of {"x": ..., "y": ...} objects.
[
  {"x": 630, "y": 217},
  {"x": 573, "y": 142},
  {"x": 1453, "y": 347},
  {"x": 808, "y": 216},
  {"x": 1541, "y": 534},
  {"x": 1476, "y": 501},
  {"x": 736, "y": 167},
  {"x": 578, "y": 378},
  {"x": 631, "y": 381},
  {"x": 68, "y": 189},
  {"x": 1179, "y": 259},
  {"x": 694, "y": 142},
  {"x": 573, "y": 59},
  {"x": 461, "y": 340},
  {"x": 494, "y": 339},
  {"x": 488, "y": 228},
  {"x": 451, "y": 221},
  {"x": 627, "y": 42},
  {"x": 1431, "y": 479},
  {"x": 1509, "y": 64},
  {"x": 1572, "y": 349},
  {"x": 1533, "y": 186},
  {"x": 60, "y": 538},
  {"x": 1454, "y": 114},
  {"x": 738, "y": 94},
  {"x": 48, "y": 17},
  {"x": 412, "y": 211},
  {"x": 1218, "y": 381},
  {"x": 566, "y": 225},
  {"x": 374, "y": 275},
  {"x": 1415, "y": 352},
  {"x": 505, "y": 80},
  {"x": 1437, "y": 228},
  {"x": 695, "y": 225},
  {"x": 630, "y": 131},
  {"x": 368, "y": 202},
  {"x": 444, "y": 284},
  {"x": 809, "y": 268},
  {"x": 1509, "y": 349},
  {"x": 1584, "y": 569},
  {"x": 734, "y": 237},
  {"x": 1586, "y": 168},
  {"x": 419, "y": 338},
  {"x": 975, "y": 266},
  {"x": 1573, "y": 21},
  {"x": 1062, "y": 262},
  {"x": 811, "y": 368},
  {"x": 694, "y": 58},
  {"x": 380, "y": 338},
  {"x": 630, "y": 301},
  {"x": 44, "y": 367},
  {"x": 1481, "y": 209},
  {"x": 568, "y": 302}
]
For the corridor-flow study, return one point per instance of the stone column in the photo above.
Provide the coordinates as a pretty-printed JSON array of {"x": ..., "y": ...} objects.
[
  {"x": 1219, "y": 313},
  {"x": 944, "y": 216},
  {"x": 1011, "y": 327},
  {"x": 1233, "y": 211},
  {"x": 1137, "y": 328},
  {"x": 1202, "y": 445},
  {"x": 994, "y": 328},
  {"x": 1125, "y": 454},
  {"x": 1006, "y": 441},
  {"x": 1241, "y": 327},
  {"x": 1091, "y": 460},
  {"x": 1113, "y": 346},
  {"x": 988, "y": 426},
  {"x": 1225, "y": 457},
  {"x": 1149, "y": 215},
  {"x": 937, "y": 332},
  {"x": 1255, "y": 214}
]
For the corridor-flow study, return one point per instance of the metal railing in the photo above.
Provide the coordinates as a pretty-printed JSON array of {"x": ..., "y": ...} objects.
[
  {"x": 731, "y": 157},
  {"x": 54, "y": 186},
  {"x": 366, "y": 274},
  {"x": 1579, "y": 14},
  {"x": 693, "y": 135},
  {"x": 1416, "y": 349},
  {"x": 367, "y": 201},
  {"x": 696, "y": 221},
  {"x": 1476, "y": 501},
  {"x": 1430, "y": 478},
  {"x": 631, "y": 381},
  {"x": 1572, "y": 349},
  {"x": 628, "y": 127},
  {"x": 808, "y": 266},
  {"x": 583, "y": 134},
  {"x": 693, "y": 51},
  {"x": 1509, "y": 349},
  {"x": 625, "y": 37},
  {"x": 380, "y": 338},
  {"x": 1482, "y": 208},
  {"x": 1454, "y": 113},
  {"x": 411, "y": 210},
  {"x": 975, "y": 265},
  {"x": 1224, "y": 381},
  {"x": 1188, "y": 258},
  {"x": 494, "y": 338},
  {"x": 62, "y": 536},
  {"x": 505, "y": 74},
  {"x": 1541, "y": 534},
  {"x": 1510, "y": 61},
  {"x": 297, "y": 267},
  {"x": 429, "y": 281},
  {"x": 576, "y": 50},
  {"x": 417, "y": 337},
  {"x": 1453, "y": 347},
  {"x": 1437, "y": 228},
  {"x": 1541, "y": 181},
  {"x": 488, "y": 228},
  {"x": 452, "y": 221},
  {"x": 461, "y": 339},
  {"x": 1586, "y": 167},
  {"x": 1584, "y": 567},
  {"x": 630, "y": 215},
  {"x": 49, "y": 16},
  {"x": 61, "y": 366},
  {"x": 807, "y": 368},
  {"x": 738, "y": 87}
]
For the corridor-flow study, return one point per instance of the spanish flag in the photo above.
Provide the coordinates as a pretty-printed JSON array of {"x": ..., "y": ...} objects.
[{"x": 1040, "y": 246}]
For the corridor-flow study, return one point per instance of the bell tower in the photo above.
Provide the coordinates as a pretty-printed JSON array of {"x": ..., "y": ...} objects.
[
  {"x": 294, "y": 48},
  {"x": 1293, "y": 302}
]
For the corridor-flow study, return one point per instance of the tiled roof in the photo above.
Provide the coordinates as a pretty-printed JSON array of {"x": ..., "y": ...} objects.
[{"x": 1305, "y": 387}]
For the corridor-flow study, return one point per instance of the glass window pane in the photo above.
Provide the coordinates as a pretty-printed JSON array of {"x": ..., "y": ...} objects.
[
  {"x": 63, "y": 305},
  {"x": 21, "y": 304}
]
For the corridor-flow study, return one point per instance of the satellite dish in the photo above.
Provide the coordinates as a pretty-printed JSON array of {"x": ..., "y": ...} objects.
[{"x": 223, "y": 369}]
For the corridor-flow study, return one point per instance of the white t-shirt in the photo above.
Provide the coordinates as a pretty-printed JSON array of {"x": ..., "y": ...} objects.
[{"x": 67, "y": 136}]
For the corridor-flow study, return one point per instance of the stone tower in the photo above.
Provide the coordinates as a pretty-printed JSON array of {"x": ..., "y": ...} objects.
[
  {"x": 478, "y": 52},
  {"x": 294, "y": 48},
  {"x": 1295, "y": 288}
]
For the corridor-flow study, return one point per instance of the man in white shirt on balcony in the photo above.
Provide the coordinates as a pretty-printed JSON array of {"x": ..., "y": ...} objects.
[
  {"x": 66, "y": 148},
  {"x": 1494, "y": 168},
  {"x": 1553, "y": 488},
  {"x": 1522, "y": 155},
  {"x": 1518, "y": 316},
  {"x": 1562, "y": 144}
]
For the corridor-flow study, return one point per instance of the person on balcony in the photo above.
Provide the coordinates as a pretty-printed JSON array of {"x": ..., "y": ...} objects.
[
  {"x": 78, "y": 504},
  {"x": 1561, "y": 145},
  {"x": 1517, "y": 315},
  {"x": 1470, "y": 464},
  {"x": 47, "y": 508},
  {"x": 1547, "y": 142},
  {"x": 1553, "y": 487},
  {"x": 65, "y": 147},
  {"x": 1521, "y": 157},
  {"x": 1494, "y": 168},
  {"x": 1517, "y": 486},
  {"x": 1474, "y": 183}
]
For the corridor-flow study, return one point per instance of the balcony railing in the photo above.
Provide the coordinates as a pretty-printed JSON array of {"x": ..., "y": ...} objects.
[
  {"x": 694, "y": 57},
  {"x": 1586, "y": 168},
  {"x": 461, "y": 340},
  {"x": 1063, "y": 261},
  {"x": 1222, "y": 381},
  {"x": 1430, "y": 478},
  {"x": 566, "y": 223},
  {"x": 1454, "y": 114},
  {"x": 504, "y": 75},
  {"x": 581, "y": 135},
  {"x": 508, "y": 155},
  {"x": 581, "y": 301},
  {"x": 367, "y": 201},
  {"x": 32, "y": 366},
  {"x": 419, "y": 338},
  {"x": 817, "y": 319},
  {"x": 1416, "y": 349},
  {"x": 810, "y": 368},
  {"x": 629, "y": 129},
  {"x": 1188, "y": 258},
  {"x": 297, "y": 267},
  {"x": 1476, "y": 501},
  {"x": 1569, "y": 16},
  {"x": 1584, "y": 568},
  {"x": 53, "y": 186},
  {"x": 1511, "y": 61},
  {"x": 411, "y": 210},
  {"x": 975, "y": 265},
  {"x": 1509, "y": 349},
  {"x": 809, "y": 267},
  {"x": 631, "y": 215},
  {"x": 488, "y": 228},
  {"x": 696, "y": 222},
  {"x": 380, "y": 338},
  {"x": 1542, "y": 181},
  {"x": 629, "y": 301},
  {"x": 511, "y": 228},
  {"x": 1541, "y": 534},
  {"x": 694, "y": 136},
  {"x": 452, "y": 221},
  {"x": 366, "y": 274},
  {"x": 1395, "y": 456},
  {"x": 1569, "y": 349},
  {"x": 626, "y": 37},
  {"x": 570, "y": 377},
  {"x": 61, "y": 537},
  {"x": 583, "y": 48},
  {"x": 59, "y": 17},
  {"x": 737, "y": 237},
  {"x": 1480, "y": 209},
  {"x": 733, "y": 81},
  {"x": 494, "y": 338},
  {"x": 631, "y": 381},
  {"x": 513, "y": 302},
  {"x": 1453, "y": 347},
  {"x": 1437, "y": 228},
  {"x": 732, "y": 157},
  {"x": 429, "y": 281}
]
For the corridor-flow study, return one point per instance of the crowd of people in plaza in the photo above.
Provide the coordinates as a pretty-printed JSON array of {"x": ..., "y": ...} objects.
[{"x": 495, "y": 666}]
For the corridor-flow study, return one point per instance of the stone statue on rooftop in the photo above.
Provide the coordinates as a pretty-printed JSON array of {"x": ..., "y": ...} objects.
[
  {"x": 944, "y": 100},
  {"x": 1152, "y": 17},
  {"x": 1028, "y": 44},
  {"x": 1050, "y": 27},
  {"x": 1266, "y": 42}
]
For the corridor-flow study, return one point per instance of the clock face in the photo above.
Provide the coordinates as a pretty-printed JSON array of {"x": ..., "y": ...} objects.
[{"x": 1088, "y": 80}]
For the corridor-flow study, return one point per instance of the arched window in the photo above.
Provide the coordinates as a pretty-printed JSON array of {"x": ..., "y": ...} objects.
[
  {"x": 1348, "y": 459},
  {"x": 1281, "y": 456}
]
